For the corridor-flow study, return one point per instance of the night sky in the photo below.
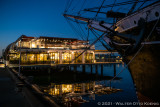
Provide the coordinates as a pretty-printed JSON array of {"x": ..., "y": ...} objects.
[
  {"x": 32, "y": 18},
  {"x": 43, "y": 18}
]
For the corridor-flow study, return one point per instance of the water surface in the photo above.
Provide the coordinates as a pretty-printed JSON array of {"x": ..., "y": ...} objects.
[{"x": 63, "y": 85}]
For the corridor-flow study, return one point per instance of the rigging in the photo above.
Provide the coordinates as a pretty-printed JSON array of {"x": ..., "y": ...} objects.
[{"x": 117, "y": 4}]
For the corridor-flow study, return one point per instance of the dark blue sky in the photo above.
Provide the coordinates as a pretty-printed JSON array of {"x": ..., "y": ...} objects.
[
  {"x": 32, "y": 18},
  {"x": 44, "y": 18}
]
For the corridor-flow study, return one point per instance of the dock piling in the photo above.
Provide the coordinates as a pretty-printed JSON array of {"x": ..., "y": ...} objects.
[
  {"x": 83, "y": 68},
  {"x": 91, "y": 68},
  {"x": 101, "y": 69},
  {"x": 114, "y": 66},
  {"x": 96, "y": 68},
  {"x": 75, "y": 68}
]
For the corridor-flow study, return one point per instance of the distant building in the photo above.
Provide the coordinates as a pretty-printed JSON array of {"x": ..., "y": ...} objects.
[
  {"x": 46, "y": 50},
  {"x": 60, "y": 89},
  {"x": 107, "y": 56}
]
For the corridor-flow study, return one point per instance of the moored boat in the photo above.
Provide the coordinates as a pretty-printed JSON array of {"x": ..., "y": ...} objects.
[{"x": 135, "y": 35}]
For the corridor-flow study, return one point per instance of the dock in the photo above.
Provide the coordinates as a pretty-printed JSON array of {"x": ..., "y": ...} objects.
[
  {"x": 18, "y": 92},
  {"x": 9, "y": 96},
  {"x": 64, "y": 64},
  {"x": 94, "y": 68}
]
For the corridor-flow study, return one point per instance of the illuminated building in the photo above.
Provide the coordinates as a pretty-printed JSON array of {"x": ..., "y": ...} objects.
[
  {"x": 60, "y": 89},
  {"x": 47, "y": 50}
]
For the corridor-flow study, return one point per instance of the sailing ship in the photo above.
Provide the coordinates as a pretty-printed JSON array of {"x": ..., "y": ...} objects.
[{"x": 134, "y": 33}]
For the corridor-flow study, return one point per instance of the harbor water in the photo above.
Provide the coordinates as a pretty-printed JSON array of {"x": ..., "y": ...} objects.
[{"x": 89, "y": 88}]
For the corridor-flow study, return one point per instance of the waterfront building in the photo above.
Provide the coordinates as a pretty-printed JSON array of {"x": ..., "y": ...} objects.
[
  {"x": 47, "y": 50},
  {"x": 60, "y": 89},
  {"x": 107, "y": 56}
]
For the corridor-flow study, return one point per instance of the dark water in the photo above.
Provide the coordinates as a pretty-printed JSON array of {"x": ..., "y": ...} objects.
[
  {"x": 127, "y": 95},
  {"x": 125, "y": 83}
]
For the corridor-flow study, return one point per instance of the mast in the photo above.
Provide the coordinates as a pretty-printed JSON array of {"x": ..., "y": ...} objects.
[
  {"x": 91, "y": 23},
  {"x": 76, "y": 17}
]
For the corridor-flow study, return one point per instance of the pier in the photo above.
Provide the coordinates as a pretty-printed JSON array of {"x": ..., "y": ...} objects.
[
  {"x": 8, "y": 91},
  {"x": 66, "y": 64},
  {"x": 92, "y": 68}
]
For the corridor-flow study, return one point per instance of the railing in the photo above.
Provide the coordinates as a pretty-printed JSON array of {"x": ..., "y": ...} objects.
[
  {"x": 109, "y": 60},
  {"x": 30, "y": 62}
]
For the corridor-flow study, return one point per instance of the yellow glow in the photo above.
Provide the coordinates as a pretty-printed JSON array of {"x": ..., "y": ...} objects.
[
  {"x": 1, "y": 65},
  {"x": 56, "y": 56},
  {"x": 57, "y": 47},
  {"x": 52, "y": 57},
  {"x": 66, "y": 88},
  {"x": 33, "y": 45},
  {"x": 69, "y": 88}
]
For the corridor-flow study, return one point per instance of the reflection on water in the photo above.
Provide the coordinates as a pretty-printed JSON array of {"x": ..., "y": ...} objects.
[
  {"x": 78, "y": 89},
  {"x": 75, "y": 94},
  {"x": 62, "y": 89}
]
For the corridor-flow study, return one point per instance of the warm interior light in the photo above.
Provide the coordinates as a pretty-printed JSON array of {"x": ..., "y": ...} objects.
[{"x": 33, "y": 45}]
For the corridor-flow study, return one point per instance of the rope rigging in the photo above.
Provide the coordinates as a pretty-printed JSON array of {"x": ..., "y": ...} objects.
[
  {"x": 68, "y": 6},
  {"x": 141, "y": 5},
  {"x": 89, "y": 46},
  {"x": 137, "y": 51},
  {"x": 113, "y": 5},
  {"x": 74, "y": 29},
  {"x": 99, "y": 8},
  {"x": 76, "y": 5},
  {"x": 81, "y": 30},
  {"x": 95, "y": 33},
  {"x": 117, "y": 4},
  {"x": 86, "y": 49},
  {"x": 81, "y": 7},
  {"x": 126, "y": 48}
]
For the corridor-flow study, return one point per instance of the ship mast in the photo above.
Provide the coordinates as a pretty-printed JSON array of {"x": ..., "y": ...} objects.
[
  {"x": 76, "y": 17},
  {"x": 91, "y": 23}
]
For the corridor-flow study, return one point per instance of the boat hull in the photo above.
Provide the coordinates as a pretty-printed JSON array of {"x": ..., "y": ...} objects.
[
  {"x": 145, "y": 71},
  {"x": 145, "y": 67}
]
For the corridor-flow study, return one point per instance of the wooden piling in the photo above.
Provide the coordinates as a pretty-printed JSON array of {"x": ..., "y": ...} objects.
[
  {"x": 91, "y": 69},
  {"x": 114, "y": 65},
  {"x": 75, "y": 68},
  {"x": 83, "y": 68},
  {"x": 101, "y": 70},
  {"x": 96, "y": 68}
]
